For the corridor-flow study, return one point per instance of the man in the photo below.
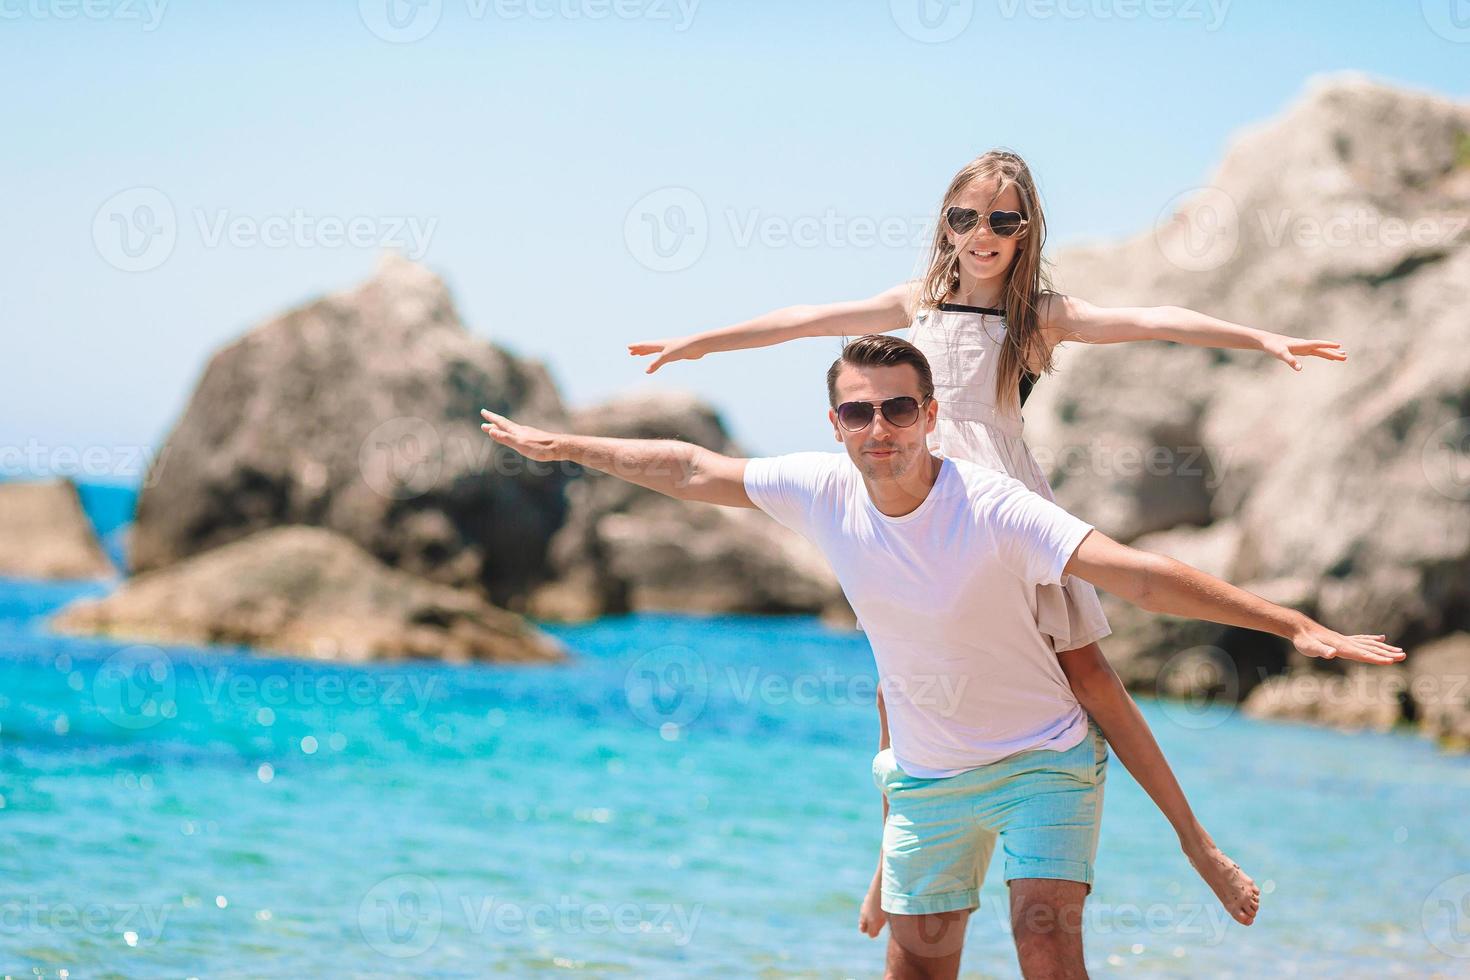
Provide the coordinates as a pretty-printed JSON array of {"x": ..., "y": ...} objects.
[{"x": 939, "y": 559}]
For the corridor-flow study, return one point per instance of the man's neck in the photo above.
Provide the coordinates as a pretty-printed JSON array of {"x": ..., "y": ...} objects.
[{"x": 902, "y": 496}]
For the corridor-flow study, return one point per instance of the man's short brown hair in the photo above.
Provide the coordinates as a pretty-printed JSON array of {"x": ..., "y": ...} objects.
[{"x": 880, "y": 350}]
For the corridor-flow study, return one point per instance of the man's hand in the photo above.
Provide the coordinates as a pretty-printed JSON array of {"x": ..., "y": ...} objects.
[
  {"x": 1161, "y": 584},
  {"x": 1316, "y": 640},
  {"x": 671, "y": 467},
  {"x": 531, "y": 443}
]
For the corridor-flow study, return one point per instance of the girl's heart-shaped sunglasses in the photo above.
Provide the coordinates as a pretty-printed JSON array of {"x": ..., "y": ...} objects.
[{"x": 1006, "y": 224}]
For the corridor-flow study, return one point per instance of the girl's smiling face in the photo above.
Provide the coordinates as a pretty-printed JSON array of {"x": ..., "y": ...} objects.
[{"x": 984, "y": 255}]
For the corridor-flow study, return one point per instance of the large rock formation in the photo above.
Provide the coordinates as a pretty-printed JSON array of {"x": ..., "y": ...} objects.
[
  {"x": 1362, "y": 697},
  {"x": 1431, "y": 688},
  {"x": 1439, "y": 686},
  {"x": 1344, "y": 489},
  {"x": 44, "y": 533},
  {"x": 312, "y": 592},
  {"x": 626, "y": 548},
  {"x": 360, "y": 413}
]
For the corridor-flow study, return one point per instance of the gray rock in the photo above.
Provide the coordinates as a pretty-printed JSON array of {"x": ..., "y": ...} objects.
[
  {"x": 1211, "y": 549},
  {"x": 309, "y": 592},
  {"x": 359, "y": 413},
  {"x": 45, "y": 533},
  {"x": 1359, "y": 698},
  {"x": 1439, "y": 685},
  {"x": 1431, "y": 686},
  {"x": 1346, "y": 219},
  {"x": 657, "y": 415},
  {"x": 1189, "y": 658},
  {"x": 626, "y": 548}
]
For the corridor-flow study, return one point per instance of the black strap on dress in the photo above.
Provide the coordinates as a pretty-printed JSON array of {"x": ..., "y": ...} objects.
[{"x": 1028, "y": 380}]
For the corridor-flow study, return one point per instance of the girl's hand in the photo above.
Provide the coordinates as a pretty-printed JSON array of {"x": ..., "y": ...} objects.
[
  {"x": 1288, "y": 348},
  {"x": 679, "y": 349},
  {"x": 871, "y": 916}
]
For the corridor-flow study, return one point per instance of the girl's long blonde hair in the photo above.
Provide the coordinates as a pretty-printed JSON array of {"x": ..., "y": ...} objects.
[{"x": 1026, "y": 279}]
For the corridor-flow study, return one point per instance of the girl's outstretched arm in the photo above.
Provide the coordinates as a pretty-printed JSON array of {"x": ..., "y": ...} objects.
[
  {"x": 1067, "y": 318},
  {"x": 889, "y": 310}
]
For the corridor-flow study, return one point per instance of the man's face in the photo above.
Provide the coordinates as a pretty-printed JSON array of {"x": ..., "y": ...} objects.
[{"x": 882, "y": 450}]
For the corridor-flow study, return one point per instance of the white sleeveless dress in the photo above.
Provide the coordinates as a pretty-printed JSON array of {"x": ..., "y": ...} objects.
[{"x": 962, "y": 344}]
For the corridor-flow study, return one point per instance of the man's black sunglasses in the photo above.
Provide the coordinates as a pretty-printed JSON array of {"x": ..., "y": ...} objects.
[{"x": 902, "y": 411}]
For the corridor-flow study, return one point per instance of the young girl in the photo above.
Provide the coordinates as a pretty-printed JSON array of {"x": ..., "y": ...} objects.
[{"x": 985, "y": 317}]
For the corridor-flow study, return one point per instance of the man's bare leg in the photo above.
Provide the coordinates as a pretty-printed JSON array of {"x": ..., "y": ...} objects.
[
  {"x": 1046, "y": 920},
  {"x": 926, "y": 947},
  {"x": 1103, "y": 697}
]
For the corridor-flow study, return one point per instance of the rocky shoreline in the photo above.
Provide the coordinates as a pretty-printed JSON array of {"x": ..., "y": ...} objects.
[
  {"x": 328, "y": 493},
  {"x": 309, "y": 592},
  {"x": 340, "y": 439},
  {"x": 1339, "y": 490}
]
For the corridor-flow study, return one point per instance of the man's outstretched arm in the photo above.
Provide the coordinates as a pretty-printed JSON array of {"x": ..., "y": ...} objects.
[
  {"x": 676, "y": 469},
  {"x": 1161, "y": 584}
]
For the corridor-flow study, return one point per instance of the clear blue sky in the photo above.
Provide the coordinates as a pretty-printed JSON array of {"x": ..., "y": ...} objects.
[{"x": 521, "y": 135}]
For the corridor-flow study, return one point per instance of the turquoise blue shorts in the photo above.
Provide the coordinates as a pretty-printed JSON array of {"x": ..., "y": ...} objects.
[{"x": 1044, "y": 805}]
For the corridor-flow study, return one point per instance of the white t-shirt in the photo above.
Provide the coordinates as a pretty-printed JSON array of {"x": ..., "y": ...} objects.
[{"x": 947, "y": 596}]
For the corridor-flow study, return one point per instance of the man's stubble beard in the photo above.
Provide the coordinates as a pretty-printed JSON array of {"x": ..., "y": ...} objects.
[{"x": 898, "y": 467}]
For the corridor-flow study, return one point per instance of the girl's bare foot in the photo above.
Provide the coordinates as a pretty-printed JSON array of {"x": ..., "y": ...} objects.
[
  {"x": 871, "y": 917},
  {"x": 1232, "y": 886}
]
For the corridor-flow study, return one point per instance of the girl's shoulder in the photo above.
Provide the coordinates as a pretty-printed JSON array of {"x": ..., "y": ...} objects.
[
  {"x": 911, "y": 294},
  {"x": 1050, "y": 306},
  {"x": 1051, "y": 315},
  {"x": 900, "y": 302}
]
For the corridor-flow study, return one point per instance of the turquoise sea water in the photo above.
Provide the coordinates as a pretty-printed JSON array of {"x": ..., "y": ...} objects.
[{"x": 686, "y": 797}]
